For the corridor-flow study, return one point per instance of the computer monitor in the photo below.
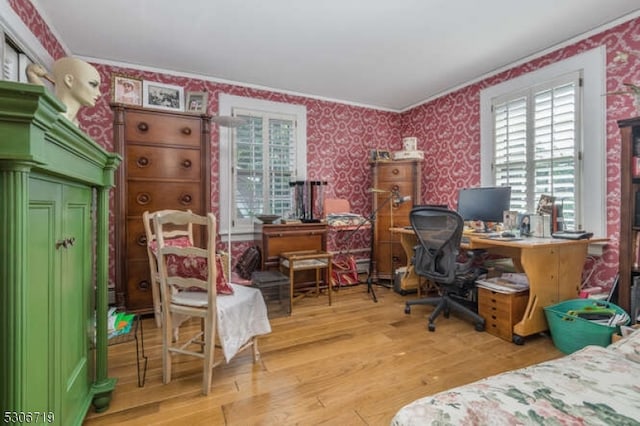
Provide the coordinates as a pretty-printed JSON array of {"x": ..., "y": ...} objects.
[{"x": 486, "y": 204}]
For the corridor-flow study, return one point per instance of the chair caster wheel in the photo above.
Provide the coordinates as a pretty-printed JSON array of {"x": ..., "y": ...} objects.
[
  {"x": 479, "y": 327},
  {"x": 432, "y": 327},
  {"x": 407, "y": 310},
  {"x": 518, "y": 340}
]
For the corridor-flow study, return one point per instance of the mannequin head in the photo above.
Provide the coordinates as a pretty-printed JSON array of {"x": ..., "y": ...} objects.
[{"x": 77, "y": 84}]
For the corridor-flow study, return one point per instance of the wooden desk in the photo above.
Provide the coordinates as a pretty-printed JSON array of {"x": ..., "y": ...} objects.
[
  {"x": 554, "y": 269},
  {"x": 553, "y": 266}
]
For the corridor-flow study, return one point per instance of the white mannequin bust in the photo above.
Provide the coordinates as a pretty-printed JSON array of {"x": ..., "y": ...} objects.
[{"x": 77, "y": 84}]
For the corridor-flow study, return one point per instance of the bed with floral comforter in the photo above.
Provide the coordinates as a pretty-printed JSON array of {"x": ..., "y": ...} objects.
[{"x": 593, "y": 386}]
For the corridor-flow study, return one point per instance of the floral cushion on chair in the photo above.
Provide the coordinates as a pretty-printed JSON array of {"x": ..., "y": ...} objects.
[{"x": 192, "y": 266}]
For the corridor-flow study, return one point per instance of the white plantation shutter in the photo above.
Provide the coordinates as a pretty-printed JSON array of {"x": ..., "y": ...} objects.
[
  {"x": 265, "y": 163},
  {"x": 10, "y": 63},
  {"x": 537, "y": 145}
]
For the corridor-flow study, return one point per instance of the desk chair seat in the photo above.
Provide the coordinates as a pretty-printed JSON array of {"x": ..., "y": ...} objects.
[{"x": 439, "y": 232}]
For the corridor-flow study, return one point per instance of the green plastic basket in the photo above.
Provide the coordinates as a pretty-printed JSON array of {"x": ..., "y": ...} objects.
[{"x": 571, "y": 333}]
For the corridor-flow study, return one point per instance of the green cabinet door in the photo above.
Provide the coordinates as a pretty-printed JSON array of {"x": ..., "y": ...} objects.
[{"x": 60, "y": 284}]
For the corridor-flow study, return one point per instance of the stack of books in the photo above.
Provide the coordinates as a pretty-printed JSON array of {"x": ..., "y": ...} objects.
[{"x": 506, "y": 283}]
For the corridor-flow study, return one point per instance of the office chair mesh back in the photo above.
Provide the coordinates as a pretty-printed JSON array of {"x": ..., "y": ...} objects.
[{"x": 439, "y": 232}]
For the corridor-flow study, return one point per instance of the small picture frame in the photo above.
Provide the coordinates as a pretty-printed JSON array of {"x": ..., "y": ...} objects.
[
  {"x": 162, "y": 96},
  {"x": 197, "y": 102},
  {"x": 379, "y": 155},
  {"x": 545, "y": 204},
  {"x": 126, "y": 90}
]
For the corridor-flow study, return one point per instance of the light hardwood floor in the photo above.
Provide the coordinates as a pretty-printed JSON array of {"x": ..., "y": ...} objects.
[{"x": 354, "y": 363}]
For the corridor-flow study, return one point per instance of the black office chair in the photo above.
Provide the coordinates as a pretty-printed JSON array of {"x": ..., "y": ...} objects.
[{"x": 439, "y": 232}]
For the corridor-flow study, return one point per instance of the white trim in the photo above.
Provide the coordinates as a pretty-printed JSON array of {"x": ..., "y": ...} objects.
[
  {"x": 226, "y": 103},
  {"x": 592, "y": 63},
  {"x": 231, "y": 82}
]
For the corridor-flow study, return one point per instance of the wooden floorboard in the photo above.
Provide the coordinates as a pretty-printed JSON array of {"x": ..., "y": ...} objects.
[{"x": 353, "y": 363}]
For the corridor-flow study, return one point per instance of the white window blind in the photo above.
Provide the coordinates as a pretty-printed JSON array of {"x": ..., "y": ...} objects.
[
  {"x": 265, "y": 163},
  {"x": 537, "y": 145},
  {"x": 258, "y": 160}
]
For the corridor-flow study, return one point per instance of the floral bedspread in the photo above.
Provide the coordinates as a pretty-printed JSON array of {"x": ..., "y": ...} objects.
[{"x": 594, "y": 386}]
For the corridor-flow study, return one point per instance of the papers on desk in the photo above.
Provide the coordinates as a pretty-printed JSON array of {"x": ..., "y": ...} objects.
[{"x": 507, "y": 283}]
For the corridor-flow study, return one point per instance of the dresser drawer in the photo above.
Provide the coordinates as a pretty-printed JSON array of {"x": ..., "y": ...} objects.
[
  {"x": 150, "y": 162},
  {"x": 501, "y": 311},
  {"x": 394, "y": 172},
  {"x": 153, "y": 196},
  {"x": 138, "y": 286},
  {"x": 136, "y": 239},
  {"x": 150, "y": 127}
]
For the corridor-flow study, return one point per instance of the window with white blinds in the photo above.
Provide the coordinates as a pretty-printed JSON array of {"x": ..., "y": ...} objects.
[
  {"x": 543, "y": 132},
  {"x": 258, "y": 160},
  {"x": 14, "y": 62},
  {"x": 537, "y": 145},
  {"x": 265, "y": 163}
]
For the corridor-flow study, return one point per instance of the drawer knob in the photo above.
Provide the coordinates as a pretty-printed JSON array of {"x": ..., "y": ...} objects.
[
  {"x": 186, "y": 199},
  {"x": 143, "y": 198},
  {"x": 395, "y": 171},
  {"x": 186, "y": 164},
  {"x": 142, "y": 126},
  {"x": 142, "y": 162},
  {"x": 142, "y": 240},
  {"x": 143, "y": 285},
  {"x": 186, "y": 130}
]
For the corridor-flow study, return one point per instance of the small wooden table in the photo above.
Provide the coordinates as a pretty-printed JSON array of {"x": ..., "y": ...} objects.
[{"x": 305, "y": 260}]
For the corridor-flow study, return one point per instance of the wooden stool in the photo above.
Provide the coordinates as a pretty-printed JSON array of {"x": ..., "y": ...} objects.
[{"x": 305, "y": 260}]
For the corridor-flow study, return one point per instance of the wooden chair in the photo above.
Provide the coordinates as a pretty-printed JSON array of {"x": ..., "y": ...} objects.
[
  {"x": 196, "y": 294},
  {"x": 185, "y": 233}
]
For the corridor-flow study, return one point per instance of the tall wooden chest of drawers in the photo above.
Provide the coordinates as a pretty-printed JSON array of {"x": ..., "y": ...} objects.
[
  {"x": 501, "y": 311},
  {"x": 166, "y": 166},
  {"x": 403, "y": 178}
]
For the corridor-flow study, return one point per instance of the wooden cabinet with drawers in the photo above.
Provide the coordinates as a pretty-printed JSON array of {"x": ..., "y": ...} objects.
[
  {"x": 166, "y": 166},
  {"x": 402, "y": 178},
  {"x": 501, "y": 311}
]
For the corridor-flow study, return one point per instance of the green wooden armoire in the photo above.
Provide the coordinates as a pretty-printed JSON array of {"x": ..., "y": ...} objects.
[{"x": 54, "y": 216}]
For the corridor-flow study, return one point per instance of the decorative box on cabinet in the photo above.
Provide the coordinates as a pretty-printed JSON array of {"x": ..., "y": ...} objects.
[
  {"x": 54, "y": 205},
  {"x": 629, "y": 245},
  {"x": 501, "y": 311},
  {"x": 401, "y": 177},
  {"x": 166, "y": 166}
]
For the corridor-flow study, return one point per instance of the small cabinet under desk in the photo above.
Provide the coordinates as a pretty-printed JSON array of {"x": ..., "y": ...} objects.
[{"x": 501, "y": 311}]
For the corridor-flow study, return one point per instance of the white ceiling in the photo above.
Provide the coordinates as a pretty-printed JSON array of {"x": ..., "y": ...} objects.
[{"x": 386, "y": 54}]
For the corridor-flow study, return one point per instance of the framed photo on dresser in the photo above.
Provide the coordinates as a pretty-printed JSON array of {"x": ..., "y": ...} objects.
[
  {"x": 197, "y": 102},
  {"x": 126, "y": 90},
  {"x": 162, "y": 96}
]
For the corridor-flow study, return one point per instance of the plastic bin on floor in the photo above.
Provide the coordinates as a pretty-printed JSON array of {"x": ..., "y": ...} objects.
[{"x": 570, "y": 333}]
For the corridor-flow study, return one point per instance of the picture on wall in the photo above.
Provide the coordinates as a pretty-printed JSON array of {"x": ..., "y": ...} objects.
[
  {"x": 162, "y": 96},
  {"x": 197, "y": 102},
  {"x": 126, "y": 90}
]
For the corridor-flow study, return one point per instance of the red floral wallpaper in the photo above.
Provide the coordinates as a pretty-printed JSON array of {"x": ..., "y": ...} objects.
[{"x": 340, "y": 136}]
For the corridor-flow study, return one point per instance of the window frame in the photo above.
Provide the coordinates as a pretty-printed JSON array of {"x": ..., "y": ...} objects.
[
  {"x": 592, "y": 66},
  {"x": 227, "y": 104}
]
